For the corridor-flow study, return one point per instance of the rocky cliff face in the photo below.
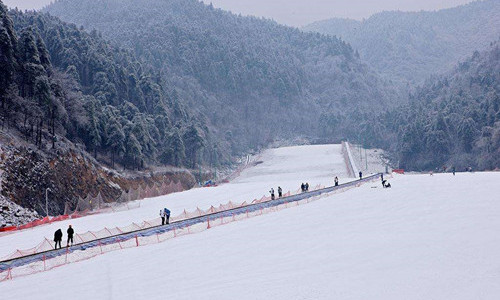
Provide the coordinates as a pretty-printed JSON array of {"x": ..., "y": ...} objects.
[
  {"x": 12, "y": 214},
  {"x": 68, "y": 174}
]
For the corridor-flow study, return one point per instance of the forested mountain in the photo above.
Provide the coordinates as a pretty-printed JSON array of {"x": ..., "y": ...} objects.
[
  {"x": 59, "y": 81},
  {"x": 408, "y": 47},
  {"x": 452, "y": 120},
  {"x": 255, "y": 80}
]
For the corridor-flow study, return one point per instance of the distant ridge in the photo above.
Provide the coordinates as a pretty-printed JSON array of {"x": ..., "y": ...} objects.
[{"x": 410, "y": 46}]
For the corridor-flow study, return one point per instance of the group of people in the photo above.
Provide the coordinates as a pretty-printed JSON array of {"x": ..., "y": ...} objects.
[
  {"x": 280, "y": 193},
  {"x": 385, "y": 183},
  {"x": 59, "y": 234},
  {"x": 165, "y": 213},
  {"x": 444, "y": 169}
]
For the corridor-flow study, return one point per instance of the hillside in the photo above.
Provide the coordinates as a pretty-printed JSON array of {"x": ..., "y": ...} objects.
[
  {"x": 452, "y": 120},
  {"x": 66, "y": 96},
  {"x": 256, "y": 81},
  {"x": 408, "y": 47},
  {"x": 80, "y": 87}
]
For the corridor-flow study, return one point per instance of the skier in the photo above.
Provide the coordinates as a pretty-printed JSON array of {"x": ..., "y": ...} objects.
[
  {"x": 360, "y": 175},
  {"x": 307, "y": 187},
  {"x": 280, "y": 192},
  {"x": 162, "y": 215},
  {"x": 167, "y": 215},
  {"x": 453, "y": 170},
  {"x": 336, "y": 180},
  {"x": 58, "y": 238},
  {"x": 272, "y": 193},
  {"x": 70, "y": 233}
]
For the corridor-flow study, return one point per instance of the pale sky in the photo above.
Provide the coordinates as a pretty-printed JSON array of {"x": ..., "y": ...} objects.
[{"x": 300, "y": 12}]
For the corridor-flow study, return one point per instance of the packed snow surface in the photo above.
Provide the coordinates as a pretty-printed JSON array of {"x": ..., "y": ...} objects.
[
  {"x": 428, "y": 237},
  {"x": 286, "y": 167}
]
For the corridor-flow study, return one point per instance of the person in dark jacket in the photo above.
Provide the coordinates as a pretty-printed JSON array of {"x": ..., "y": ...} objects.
[
  {"x": 303, "y": 187},
  {"x": 58, "y": 238},
  {"x": 70, "y": 233},
  {"x": 167, "y": 215},
  {"x": 360, "y": 175},
  {"x": 280, "y": 192},
  {"x": 272, "y": 193},
  {"x": 307, "y": 187},
  {"x": 336, "y": 180}
]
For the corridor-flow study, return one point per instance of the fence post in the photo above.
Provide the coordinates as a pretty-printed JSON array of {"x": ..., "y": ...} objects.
[
  {"x": 44, "y": 266},
  {"x": 9, "y": 274},
  {"x": 208, "y": 220},
  {"x": 136, "y": 241}
]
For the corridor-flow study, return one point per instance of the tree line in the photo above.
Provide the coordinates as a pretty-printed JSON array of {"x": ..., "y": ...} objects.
[
  {"x": 57, "y": 82},
  {"x": 452, "y": 120}
]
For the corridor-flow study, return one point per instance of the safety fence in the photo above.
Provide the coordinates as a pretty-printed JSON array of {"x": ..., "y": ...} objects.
[
  {"x": 352, "y": 169},
  {"x": 87, "y": 245},
  {"x": 95, "y": 204},
  {"x": 47, "y": 244}
]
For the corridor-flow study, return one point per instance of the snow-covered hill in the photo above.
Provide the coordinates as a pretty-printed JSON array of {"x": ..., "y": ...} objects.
[
  {"x": 286, "y": 167},
  {"x": 428, "y": 237}
]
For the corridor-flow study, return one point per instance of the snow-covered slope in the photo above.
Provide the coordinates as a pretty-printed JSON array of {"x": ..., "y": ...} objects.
[
  {"x": 287, "y": 167},
  {"x": 429, "y": 237}
]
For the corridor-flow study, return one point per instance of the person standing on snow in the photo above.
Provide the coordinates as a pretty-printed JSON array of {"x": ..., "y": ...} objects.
[
  {"x": 303, "y": 187},
  {"x": 360, "y": 175},
  {"x": 453, "y": 170},
  {"x": 336, "y": 180},
  {"x": 167, "y": 215},
  {"x": 272, "y": 193},
  {"x": 162, "y": 215},
  {"x": 70, "y": 233},
  {"x": 58, "y": 238},
  {"x": 307, "y": 187},
  {"x": 280, "y": 192}
]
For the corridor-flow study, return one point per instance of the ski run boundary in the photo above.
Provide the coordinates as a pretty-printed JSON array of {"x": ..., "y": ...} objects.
[
  {"x": 352, "y": 169},
  {"x": 50, "y": 259}
]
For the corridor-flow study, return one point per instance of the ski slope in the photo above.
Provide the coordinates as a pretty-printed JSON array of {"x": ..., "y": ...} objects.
[
  {"x": 429, "y": 237},
  {"x": 287, "y": 167}
]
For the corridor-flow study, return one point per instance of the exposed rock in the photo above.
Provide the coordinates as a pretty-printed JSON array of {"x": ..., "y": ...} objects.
[
  {"x": 12, "y": 214},
  {"x": 26, "y": 173}
]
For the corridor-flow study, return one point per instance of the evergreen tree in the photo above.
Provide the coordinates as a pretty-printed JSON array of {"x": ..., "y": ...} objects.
[
  {"x": 116, "y": 139},
  {"x": 194, "y": 142}
]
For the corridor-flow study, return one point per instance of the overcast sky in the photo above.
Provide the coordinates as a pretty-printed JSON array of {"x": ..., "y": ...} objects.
[{"x": 301, "y": 12}]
